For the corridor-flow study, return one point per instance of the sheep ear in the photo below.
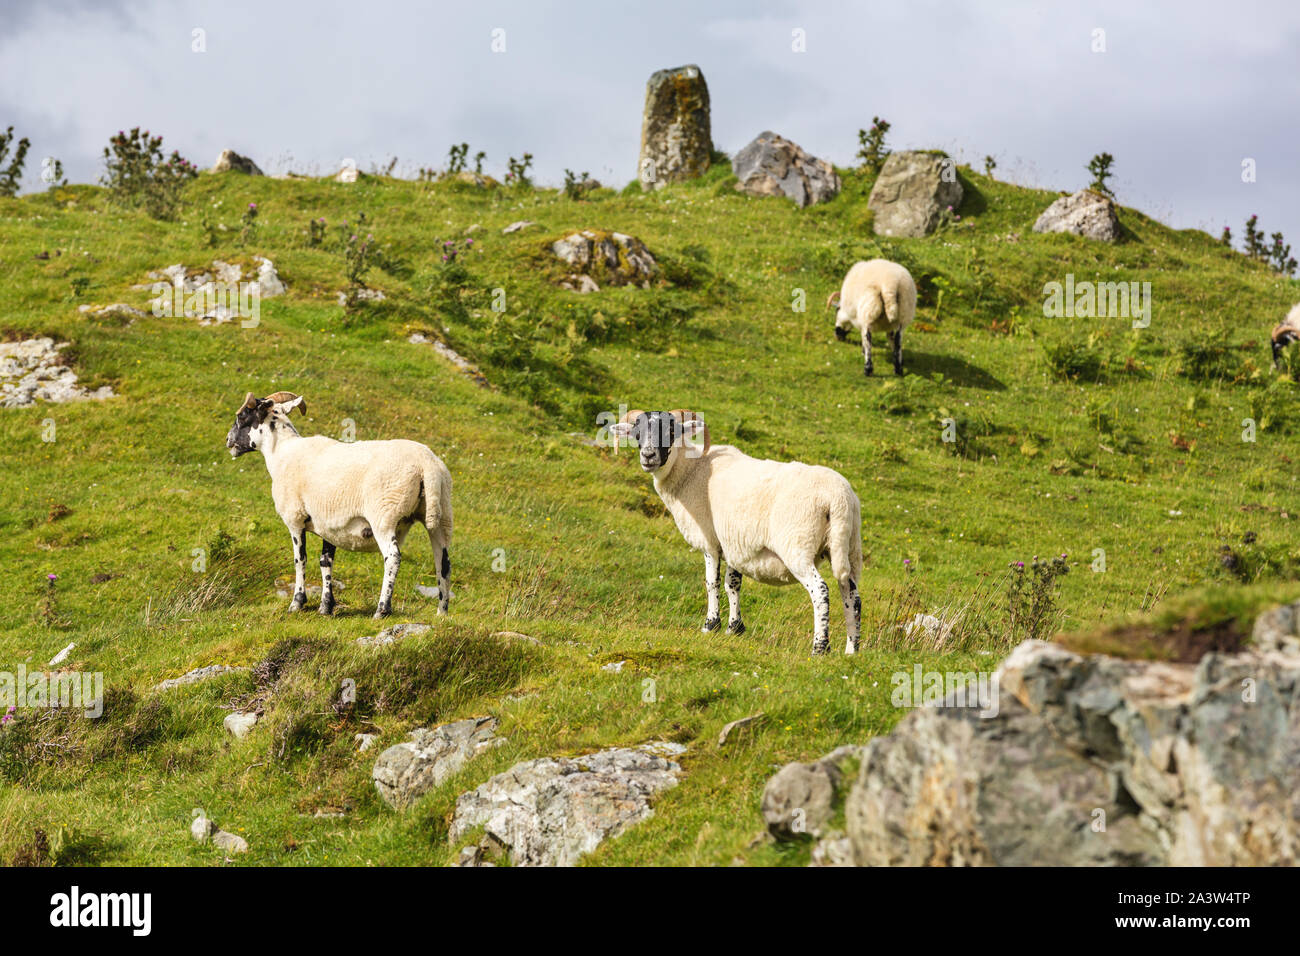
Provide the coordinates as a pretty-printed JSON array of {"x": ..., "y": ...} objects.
[
  {"x": 289, "y": 401},
  {"x": 621, "y": 430},
  {"x": 694, "y": 430},
  {"x": 632, "y": 415}
]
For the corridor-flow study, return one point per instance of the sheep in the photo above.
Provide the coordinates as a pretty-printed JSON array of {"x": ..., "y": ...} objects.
[
  {"x": 1286, "y": 332},
  {"x": 877, "y": 296},
  {"x": 770, "y": 521},
  {"x": 359, "y": 496}
]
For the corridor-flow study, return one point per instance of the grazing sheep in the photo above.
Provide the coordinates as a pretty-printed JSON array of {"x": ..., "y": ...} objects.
[
  {"x": 877, "y": 296},
  {"x": 769, "y": 520},
  {"x": 1286, "y": 332},
  {"x": 358, "y": 496}
]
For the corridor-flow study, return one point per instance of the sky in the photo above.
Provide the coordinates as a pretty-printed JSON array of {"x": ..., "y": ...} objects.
[{"x": 1180, "y": 93}]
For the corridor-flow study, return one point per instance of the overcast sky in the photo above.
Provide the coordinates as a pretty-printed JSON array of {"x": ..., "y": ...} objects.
[{"x": 1181, "y": 95}]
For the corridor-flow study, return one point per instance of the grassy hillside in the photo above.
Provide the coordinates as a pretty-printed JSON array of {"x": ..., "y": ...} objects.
[{"x": 1073, "y": 435}]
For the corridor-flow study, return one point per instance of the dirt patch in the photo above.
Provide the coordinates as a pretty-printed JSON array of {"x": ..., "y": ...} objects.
[{"x": 1184, "y": 642}]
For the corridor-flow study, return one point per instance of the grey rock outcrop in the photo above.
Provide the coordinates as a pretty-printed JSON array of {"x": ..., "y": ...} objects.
[
  {"x": 551, "y": 811},
  {"x": 610, "y": 257},
  {"x": 397, "y": 632},
  {"x": 231, "y": 162},
  {"x": 803, "y": 797},
  {"x": 406, "y": 771},
  {"x": 912, "y": 193},
  {"x": 676, "y": 132},
  {"x": 1091, "y": 761},
  {"x": 33, "y": 370},
  {"x": 771, "y": 165},
  {"x": 1085, "y": 213},
  {"x": 197, "y": 675}
]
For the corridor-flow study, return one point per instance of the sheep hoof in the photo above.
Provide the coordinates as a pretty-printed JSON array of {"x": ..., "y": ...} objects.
[
  {"x": 898, "y": 370},
  {"x": 851, "y": 648},
  {"x": 867, "y": 371},
  {"x": 821, "y": 647},
  {"x": 736, "y": 627},
  {"x": 299, "y": 600},
  {"x": 712, "y": 624},
  {"x": 327, "y": 608},
  {"x": 383, "y": 611}
]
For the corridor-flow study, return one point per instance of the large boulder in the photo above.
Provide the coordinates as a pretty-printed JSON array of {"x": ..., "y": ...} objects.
[
  {"x": 676, "y": 141},
  {"x": 1092, "y": 761},
  {"x": 551, "y": 811},
  {"x": 231, "y": 162},
  {"x": 912, "y": 193},
  {"x": 1085, "y": 213},
  {"x": 610, "y": 257},
  {"x": 771, "y": 165},
  {"x": 406, "y": 771},
  {"x": 35, "y": 369}
]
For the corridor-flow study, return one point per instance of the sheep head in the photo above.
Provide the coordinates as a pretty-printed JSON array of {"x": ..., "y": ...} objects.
[
  {"x": 1283, "y": 335},
  {"x": 664, "y": 437},
  {"x": 259, "y": 415}
]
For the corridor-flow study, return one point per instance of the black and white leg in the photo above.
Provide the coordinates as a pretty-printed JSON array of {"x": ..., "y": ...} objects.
[
  {"x": 734, "y": 624},
  {"x": 711, "y": 565},
  {"x": 326, "y": 577},
  {"x": 852, "y": 613},
  {"x": 896, "y": 338},
  {"x": 821, "y": 600},
  {"x": 444, "y": 580},
  {"x": 392, "y": 552},
  {"x": 299, "y": 538},
  {"x": 866, "y": 352}
]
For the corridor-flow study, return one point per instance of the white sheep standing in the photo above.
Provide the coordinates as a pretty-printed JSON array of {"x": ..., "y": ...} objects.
[
  {"x": 1286, "y": 332},
  {"x": 770, "y": 521},
  {"x": 877, "y": 296},
  {"x": 359, "y": 496}
]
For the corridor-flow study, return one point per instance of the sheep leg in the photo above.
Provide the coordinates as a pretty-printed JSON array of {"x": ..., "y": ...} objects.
[
  {"x": 866, "y": 352},
  {"x": 852, "y": 612},
  {"x": 711, "y": 620},
  {"x": 326, "y": 577},
  {"x": 734, "y": 624},
  {"x": 897, "y": 339},
  {"x": 391, "y": 549},
  {"x": 821, "y": 599},
  {"x": 299, "y": 538},
  {"x": 444, "y": 580}
]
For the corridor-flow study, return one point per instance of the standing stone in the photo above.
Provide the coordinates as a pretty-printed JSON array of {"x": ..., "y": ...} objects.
[
  {"x": 676, "y": 141},
  {"x": 771, "y": 165},
  {"x": 1085, "y": 213},
  {"x": 912, "y": 192},
  {"x": 231, "y": 162}
]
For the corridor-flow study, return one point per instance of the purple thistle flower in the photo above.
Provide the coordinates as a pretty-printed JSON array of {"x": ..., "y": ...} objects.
[{"x": 52, "y": 576}]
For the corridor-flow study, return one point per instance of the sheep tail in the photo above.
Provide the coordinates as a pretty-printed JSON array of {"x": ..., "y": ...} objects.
[
  {"x": 844, "y": 537},
  {"x": 889, "y": 298},
  {"x": 437, "y": 485}
]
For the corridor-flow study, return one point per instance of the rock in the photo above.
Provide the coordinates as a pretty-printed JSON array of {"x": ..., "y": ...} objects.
[
  {"x": 361, "y": 295},
  {"x": 516, "y": 226},
  {"x": 197, "y": 675},
  {"x": 612, "y": 257},
  {"x": 62, "y": 656},
  {"x": 742, "y": 724},
  {"x": 240, "y": 724},
  {"x": 229, "y": 842},
  {"x": 1085, "y": 213},
  {"x": 364, "y": 741},
  {"x": 395, "y": 633},
  {"x": 405, "y": 772},
  {"x": 771, "y": 165},
  {"x": 118, "y": 310},
  {"x": 451, "y": 355},
  {"x": 215, "y": 295},
  {"x": 33, "y": 370},
  {"x": 431, "y": 592},
  {"x": 551, "y": 811},
  {"x": 676, "y": 141},
  {"x": 1278, "y": 629},
  {"x": 347, "y": 173},
  {"x": 834, "y": 849},
  {"x": 912, "y": 192},
  {"x": 204, "y": 831},
  {"x": 802, "y": 798},
  {"x": 1092, "y": 761},
  {"x": 471, "y": 178},
  {"x": 515, "y": 636},
  {"x": 231, "y": 162},
  {"x": 614, "y": 667}
]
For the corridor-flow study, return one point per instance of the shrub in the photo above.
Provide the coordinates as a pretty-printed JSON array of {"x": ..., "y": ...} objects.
[
  {"x": 1074, "y": 362},
  {"x": 139, "y": 176},
  {"x": 1032, "y": 597},
  {"x": 248, "y": 225},
  {"x": 871, "y": 145},
  {"x": 1099, "y": 167},
  {"x": 11, "y": 174},
  {"x": 990, "y": 164},
  {"x": 1206, "y": 363},
  {"x": 518, "y": 171}
]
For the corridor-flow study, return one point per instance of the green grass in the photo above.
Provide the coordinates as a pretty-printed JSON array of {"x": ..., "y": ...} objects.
[{"x": 1074, "y": 435}]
